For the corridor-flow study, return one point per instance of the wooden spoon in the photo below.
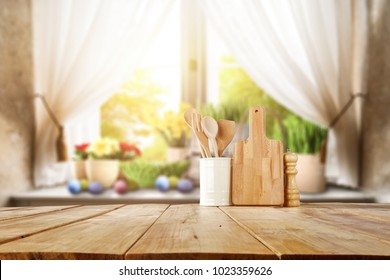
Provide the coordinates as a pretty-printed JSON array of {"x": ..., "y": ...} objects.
[
  {"x": 210, "y": 128},
  {"x": 188, "y": 119},
  {"x": 226, "y": 131},
  {"x": 203, "y": 141}
]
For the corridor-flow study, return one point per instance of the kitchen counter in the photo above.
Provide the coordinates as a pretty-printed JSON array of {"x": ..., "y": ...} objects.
[{"x": 190, "y": 231}]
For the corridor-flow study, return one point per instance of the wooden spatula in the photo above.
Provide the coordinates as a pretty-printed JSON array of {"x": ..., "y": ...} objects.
[
  {"x": 226, "y": 130},
  {"x": 188, "y": 119},
  {"x": 210, "y": 129},
  {"x": 202, "y": 138}
]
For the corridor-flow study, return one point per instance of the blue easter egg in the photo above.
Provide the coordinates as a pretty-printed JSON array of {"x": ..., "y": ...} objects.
[
  {"x": 185, "y": 186},
  {"x": 74, "y": 186},
  {"x": 162, "y": 183},
  {"x": 120, "y": 186},
  {"x": 95, "y": 188}
]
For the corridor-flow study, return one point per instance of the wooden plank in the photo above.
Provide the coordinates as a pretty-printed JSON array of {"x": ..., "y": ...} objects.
[
  {"x": 293, "y": 234},
  {"x": 106, "y": 236},
  {"x": 26, "y": 226},
  {"x": 196, "y": 232},
  {"x": 8, "y": 213},
  {"x": 376, "y": 211},
  {"x": 366, "y": 224},
  {"x": 349, "y": 206},
  {"x": 9, "y": 208}
]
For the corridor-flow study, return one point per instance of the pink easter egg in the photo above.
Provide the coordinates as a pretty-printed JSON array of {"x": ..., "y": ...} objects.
[{"x": 120, "y": 186}]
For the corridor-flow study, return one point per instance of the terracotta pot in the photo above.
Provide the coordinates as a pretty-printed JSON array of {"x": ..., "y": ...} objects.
[
  {"x": 311, "y": 173},
  {"x": 78, "y": 169},
  {"x": 104, "y": 171},
  {"x": 177, "y": 154}
]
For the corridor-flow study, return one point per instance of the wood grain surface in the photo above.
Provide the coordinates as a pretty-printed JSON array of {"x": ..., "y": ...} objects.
[
  {"x": 257, "y": 166},
  {"x": 159, "y": 231},
  {"x": 321, "y": 232},
  {"x": 28, "y": 225},
  {"x": 105, "y": 236},
  {"x": 195, "y": 232},
  {"x": 16, "y": 212}
]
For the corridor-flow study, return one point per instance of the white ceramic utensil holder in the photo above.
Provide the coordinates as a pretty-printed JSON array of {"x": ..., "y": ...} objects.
[{"x": 215, "y": 173}]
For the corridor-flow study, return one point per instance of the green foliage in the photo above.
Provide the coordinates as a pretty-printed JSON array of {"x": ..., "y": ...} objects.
[
  {"x": 223, "y": 111},
  {"x": 113, "y": 129},
  {"x": 145, "y": 173},
  {"x": 237, "y": 89},
  {"x": 303, "y": 136},
  {"x": 238, "y": 93},
  {"x": 156, "y": 151},
  {"x": 132, "y": 112},
  {"x": 126, "y": 114},
  {"x": 172, "y": 126}
]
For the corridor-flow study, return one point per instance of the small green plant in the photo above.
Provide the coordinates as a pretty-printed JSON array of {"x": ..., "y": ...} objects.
[
  {"x": 235, "y": 112},
  {"x": 303, "y": 136},
  {"x": 145, "y": 173},
  {"x": 223, "y": 111}
]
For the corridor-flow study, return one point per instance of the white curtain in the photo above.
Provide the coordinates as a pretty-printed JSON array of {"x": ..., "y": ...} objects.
[
  {"x": 308, "y": 55},
  {"x": 84, "y": 50}
]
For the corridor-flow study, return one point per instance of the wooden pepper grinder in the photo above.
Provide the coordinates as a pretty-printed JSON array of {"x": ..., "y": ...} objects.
[{"x": 291, "y": 191}]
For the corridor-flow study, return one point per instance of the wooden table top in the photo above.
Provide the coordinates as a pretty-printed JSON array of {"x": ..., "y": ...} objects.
[{"x": 190, "y": 231}]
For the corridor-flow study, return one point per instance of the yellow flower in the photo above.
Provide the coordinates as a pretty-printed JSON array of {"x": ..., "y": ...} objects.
[
  {"x": 173, "y": 127},
  {"x": 104, "y": 148}
]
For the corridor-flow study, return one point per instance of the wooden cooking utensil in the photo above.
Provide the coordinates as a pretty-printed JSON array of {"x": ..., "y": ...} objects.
[
  {"x": 257, "y": 166},
  {"x": 210, "y": 128},
  {"x": 226, "y": 130},
  {"x": 202, "y": 138},
  {"x": 188, "y": 119}
]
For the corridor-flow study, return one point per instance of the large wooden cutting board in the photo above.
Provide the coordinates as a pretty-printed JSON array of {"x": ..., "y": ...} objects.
[{"x": 257, "y": 175}]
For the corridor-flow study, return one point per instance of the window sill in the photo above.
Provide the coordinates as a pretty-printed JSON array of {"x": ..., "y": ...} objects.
[{"x": 61, "y": 196}]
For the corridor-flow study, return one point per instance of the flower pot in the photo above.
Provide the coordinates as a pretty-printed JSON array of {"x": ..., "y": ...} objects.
[
  {"x": 177, "y": 154},
  {"x": 311, "y": 174},
  {"x": 78, "y": 169},
  {"x": 103, "y": 171}
]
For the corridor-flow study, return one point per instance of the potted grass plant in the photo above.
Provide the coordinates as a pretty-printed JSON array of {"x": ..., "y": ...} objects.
[{"x": 307, "y": 139}]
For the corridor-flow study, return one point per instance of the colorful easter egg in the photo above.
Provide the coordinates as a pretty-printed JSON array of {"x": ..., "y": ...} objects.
[
  {"x": 162, "y": 183},
  {"x": 132, "y": 185},
  {"x": 120, "y": 186},
  {"x": 95, "y": 188},
  {"x": 185, "y": 185},
  {"x": 173, "y": 180},
  {"x": 74, "y": 186},
  {"x": 84, "y": 184}
]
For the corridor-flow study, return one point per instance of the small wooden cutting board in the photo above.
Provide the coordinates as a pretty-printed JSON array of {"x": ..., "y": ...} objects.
[{"x": 257, "y": 175}]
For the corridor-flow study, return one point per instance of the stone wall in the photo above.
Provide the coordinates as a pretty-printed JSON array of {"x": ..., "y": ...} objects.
[{"x": 16, "y": 98}]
